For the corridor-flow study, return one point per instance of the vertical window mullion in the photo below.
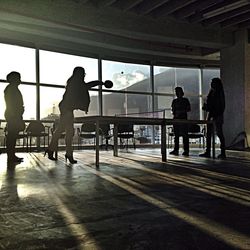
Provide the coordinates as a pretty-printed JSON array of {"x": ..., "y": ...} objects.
[
  {"x": 100, "y": 104},
  {"x": 152, "y": 83},
  {"x": 37, "y": 91},
  {"x": 37, "y": 84},
  {"x": 200, "y": 90}
]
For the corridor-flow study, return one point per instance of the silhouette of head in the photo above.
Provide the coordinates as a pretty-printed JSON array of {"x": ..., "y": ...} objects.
[
  {"x": 179, "y": 92},
  {"x": 79, "y": 72},
  {"x": 216, "y": 84},
  {"x": 14, "y": 77}
]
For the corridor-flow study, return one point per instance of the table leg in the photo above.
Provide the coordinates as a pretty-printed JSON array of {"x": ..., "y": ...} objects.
[
  {"x": 115, "y": 140},
  {"x": 97, "y": 144},
  {"x": 163, "y": 143}
]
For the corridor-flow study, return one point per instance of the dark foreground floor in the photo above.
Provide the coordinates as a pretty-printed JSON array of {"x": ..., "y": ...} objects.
[{"x": 131, "y": 202}]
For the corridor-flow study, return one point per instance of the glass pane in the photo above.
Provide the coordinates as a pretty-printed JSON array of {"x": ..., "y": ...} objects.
[
  {"x": 16, "y": 58},
  {"x": 208, "y": 75},
  {"x": 56, "y": 68},
  {"x": 29, "y": 99},
  {"x": 49, "y": 100},
  {"x": 188, "y": 79},
  {"x": 2, "y": 102},
  {"x": 127, "y": 77},
  {"x": 164, "y": 80},
  {"x": 122, "y": 103},
  {"x": 194, "y": 114},
  {"x": 2, "y": 134},
  {"x": 131, "y": 104},
  {"x": 164, "y": 103}
]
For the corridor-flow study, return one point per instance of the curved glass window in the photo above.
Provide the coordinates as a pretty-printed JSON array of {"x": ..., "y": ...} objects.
[
  {"x": 127, "y": 76},
  {"x": 164, "y": 80},
  {"x": 17, "y": 58},
  {"x": 208, "y": 75},
  {"x": 56, "y": 68}
]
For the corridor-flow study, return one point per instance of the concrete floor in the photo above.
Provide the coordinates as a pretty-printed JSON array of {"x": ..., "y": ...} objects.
[{"x": 131, "y": 202}]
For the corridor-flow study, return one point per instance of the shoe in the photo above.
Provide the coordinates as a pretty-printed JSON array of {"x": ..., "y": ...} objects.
[
  {"x": 70, "y": 158},
  {"x": 222, "y": 156},
  {"x": 174, "y": 152},
  {"x": 50, "y": 154},
  {"x": 19, "y": 158},
  {"x": 185, "y": 153},
  {"x": 15, "y": 159},
  {"x": 206, "y": 154}
]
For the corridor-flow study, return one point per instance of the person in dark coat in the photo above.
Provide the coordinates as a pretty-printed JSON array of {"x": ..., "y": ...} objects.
[
  {"x": 180, "y": 108},
  {"x": 13, "y": 114},
  {"x": 215, "y": 107},
  {"x": 76, "y": 96}
]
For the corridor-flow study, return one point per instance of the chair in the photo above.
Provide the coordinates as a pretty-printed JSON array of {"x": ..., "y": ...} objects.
[
  {"x": 21, "y": 136},
  {"x": 170, "y": 134},
  {"x": 106, "y": 135},
  {"x": 195, "y": 132},
  {"x": 126, "y": 132},
  {"x": 35, "y": 129},
  {"x": 87, "y": 131}
]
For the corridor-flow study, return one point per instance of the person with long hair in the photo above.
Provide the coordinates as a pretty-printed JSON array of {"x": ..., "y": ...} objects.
[
  {"x": 13, "y": 114},
  {"x": 215, "y": 107},
  {"x": 76, "y": 96}
]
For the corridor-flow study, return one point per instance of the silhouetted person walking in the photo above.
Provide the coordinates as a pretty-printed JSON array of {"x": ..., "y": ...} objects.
[
  {"x": 180, "y": 108},
  {"x": 215, "y": 106},
  {"x": 13, "y": 114},
  {"x": 76, "y": 96}
]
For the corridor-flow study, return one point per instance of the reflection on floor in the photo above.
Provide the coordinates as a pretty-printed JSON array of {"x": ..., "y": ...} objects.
[{"x": 133, "y": 201}]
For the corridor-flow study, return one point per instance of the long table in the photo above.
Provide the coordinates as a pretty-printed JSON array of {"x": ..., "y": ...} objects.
[{"x": 116, "y": 120}]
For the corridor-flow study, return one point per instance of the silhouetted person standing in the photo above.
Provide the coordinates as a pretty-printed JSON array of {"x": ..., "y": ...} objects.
[
  {"x": 215, "y": 106},
  {"x": 75, "y": 97},
  {"x": 180, "y": 108},
  {"x": 13, "y": 114}
]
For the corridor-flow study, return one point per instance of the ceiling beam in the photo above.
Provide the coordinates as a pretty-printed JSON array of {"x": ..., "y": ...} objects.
[
  {"x": 199, "y": 16},
  {"x": 171, "y": 7},
  {"x": 128, "y": 4},
  {"x": 114, "y": 22},
  {"x": 103, "y": 3},
  {"x": 227, "y": 15},
  {"x": 194, "y": 7},
  {"x": 41, "y": 33},
  {"x": 236, "y": 20},
  {"x": 81, "y": 1},
  {"x": 245, "y": 25},
  {"x": 148, "y": 6}
]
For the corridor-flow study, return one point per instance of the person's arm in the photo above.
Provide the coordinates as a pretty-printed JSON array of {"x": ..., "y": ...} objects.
[
  {"x": 173, "y": 107},
  {"x": 94, "y": 83}
]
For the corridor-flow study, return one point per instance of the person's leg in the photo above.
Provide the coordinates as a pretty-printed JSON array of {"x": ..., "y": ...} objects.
[
  {"x": 56, "y": 135},
  {"x": 11, "y": 138},
  {"x": 176, "y": 140},
  {"x": 219, "y": 130},
  {"x": 185, "y": 140},
  {"x": 208, "y": 141},
  {"x": 69, "y": 128}
]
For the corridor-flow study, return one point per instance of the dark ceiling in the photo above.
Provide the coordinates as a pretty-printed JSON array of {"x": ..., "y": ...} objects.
[
  {"x": 223, "y": 13},
  {"x": 151, "y": 31}
]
